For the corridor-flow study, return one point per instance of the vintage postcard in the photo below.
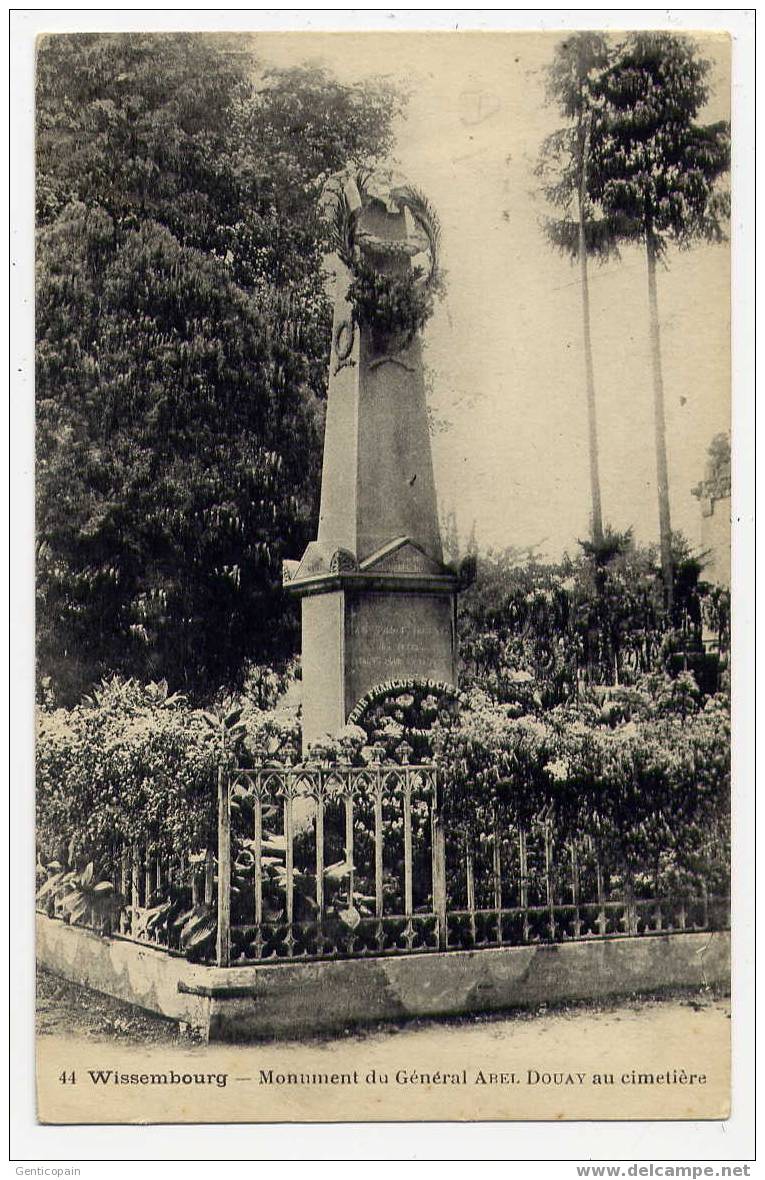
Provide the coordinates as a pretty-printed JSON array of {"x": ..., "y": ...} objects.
[{"x": 383, "y": 567}]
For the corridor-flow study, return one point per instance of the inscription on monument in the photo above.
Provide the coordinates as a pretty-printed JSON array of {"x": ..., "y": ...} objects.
[
  {"x": 397, "y": 642},
  {"x": 397, "y": 634}
]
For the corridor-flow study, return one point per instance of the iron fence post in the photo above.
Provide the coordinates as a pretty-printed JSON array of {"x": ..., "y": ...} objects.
[
  {"x": 496, "y": 861},
  {"x": 549, "y": 890},
  {"x": 223, "y": 945},
  {"x": 135, "y": 894},
  {"x": 438, "y": 847},
  {"x": 209, "y": 875},
  {"x": 124, "y": 888}
]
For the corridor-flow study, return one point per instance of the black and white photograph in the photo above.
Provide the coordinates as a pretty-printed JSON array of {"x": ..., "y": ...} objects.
[{"x": 383, "y": 658}]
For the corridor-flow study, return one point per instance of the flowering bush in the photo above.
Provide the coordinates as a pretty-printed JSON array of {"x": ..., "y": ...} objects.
[
  {"x": 129, "y": 765},
  {"x": 653, "y": 793},
  {"x": 271, "y": 735}
]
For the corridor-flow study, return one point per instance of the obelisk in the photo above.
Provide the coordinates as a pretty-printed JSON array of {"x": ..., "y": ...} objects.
[{"x": 378, "y": 604}]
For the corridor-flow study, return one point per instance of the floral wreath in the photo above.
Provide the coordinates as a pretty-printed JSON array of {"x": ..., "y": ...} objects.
[
  {"x": 392, "y": 687},
  {"x": 398, "y": 716},
  {"x": 392, "y": 306}
]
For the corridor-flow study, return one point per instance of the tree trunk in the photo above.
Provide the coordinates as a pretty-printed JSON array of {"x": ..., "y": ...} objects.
[
  {"x": 596, "y": 512},
  {"x": 660, "y": 429}
]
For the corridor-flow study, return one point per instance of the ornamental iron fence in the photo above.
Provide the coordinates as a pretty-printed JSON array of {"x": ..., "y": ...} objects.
[
  {"x": 404, "y": 884},
  {"x": 317, "y": 862}
]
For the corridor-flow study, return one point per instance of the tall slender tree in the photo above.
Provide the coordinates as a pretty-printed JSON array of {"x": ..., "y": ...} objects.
[
  {"x": 579, "y": 231},
  {"x": 656, "y": 173}
]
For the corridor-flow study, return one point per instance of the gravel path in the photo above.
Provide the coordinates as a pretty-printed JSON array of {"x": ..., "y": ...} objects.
[{"x": 66, "y": 1009}]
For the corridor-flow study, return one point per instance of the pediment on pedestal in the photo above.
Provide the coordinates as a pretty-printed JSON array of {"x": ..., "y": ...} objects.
[
  {"x": 320, "y": 559},
  {"x": 289, "y": 571},
  {"x": 401, "y": 556},
  {"x": 315, "y": 561}
]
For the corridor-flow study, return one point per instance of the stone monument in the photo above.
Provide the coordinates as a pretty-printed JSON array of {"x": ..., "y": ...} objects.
[
  {"x": 378, "y": 604},
  {"x": 714, "y": 496}
]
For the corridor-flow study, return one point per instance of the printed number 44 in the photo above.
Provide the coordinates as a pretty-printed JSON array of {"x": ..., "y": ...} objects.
[{"x": 65, "y": 1077}]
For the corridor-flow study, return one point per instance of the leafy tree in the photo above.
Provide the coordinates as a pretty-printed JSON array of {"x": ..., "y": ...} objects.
[
  {"x": 182, "y": 330},
  {"x": 580, "y": 231},
  {"x": 655, "y": 173}
]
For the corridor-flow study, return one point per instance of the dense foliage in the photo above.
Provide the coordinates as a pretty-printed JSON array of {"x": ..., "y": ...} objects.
[
  {"x": 565, "y": 155},
  {"x": 129, "y": 765},
  {"x": 395, "y": 307},
  {"x": 637, "y": 777},
  {"x": 182, "y": 330},
  {"x": 646, "y": 778},
  {"x": 632, "y": 139},
  {"x": 535, "y": 634}
]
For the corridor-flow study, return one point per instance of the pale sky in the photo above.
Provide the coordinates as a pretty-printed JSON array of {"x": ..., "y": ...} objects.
[{"x": 505, "y": 345}]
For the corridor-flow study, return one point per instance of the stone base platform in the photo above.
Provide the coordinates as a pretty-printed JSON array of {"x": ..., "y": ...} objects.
[{"x": 288, "y": 1000}]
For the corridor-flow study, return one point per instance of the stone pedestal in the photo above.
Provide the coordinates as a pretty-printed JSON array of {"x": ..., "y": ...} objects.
[
  {"x": 361, "y": 630},
  {"x": 377, "y": 602}
]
